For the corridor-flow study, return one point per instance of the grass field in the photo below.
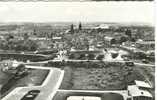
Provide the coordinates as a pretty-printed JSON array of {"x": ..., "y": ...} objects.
[{"x": 106, "y": 77}]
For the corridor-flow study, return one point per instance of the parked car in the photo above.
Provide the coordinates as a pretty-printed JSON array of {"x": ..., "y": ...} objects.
[{"x": 31, "y": 95}]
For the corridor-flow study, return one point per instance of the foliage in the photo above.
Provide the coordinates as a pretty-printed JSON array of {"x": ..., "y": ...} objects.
[{"x": 19, "y": 45}]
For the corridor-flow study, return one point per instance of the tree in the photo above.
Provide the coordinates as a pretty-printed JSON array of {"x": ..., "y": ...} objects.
[
  {"x": 9, "y": 37},
  {"x": 26, "y": 45},
  {"x": 113, "y": 41},
  {"x": 30, "y": 45},
  {"x": 26, "y": 36},
  {"x": 133, "y": 39},
  {"x": 91, "y": 56},
  {"x": 123, "y": 39}
]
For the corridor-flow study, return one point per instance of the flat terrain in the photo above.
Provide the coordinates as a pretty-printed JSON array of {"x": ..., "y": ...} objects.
[{"x": 104, "y": 77}]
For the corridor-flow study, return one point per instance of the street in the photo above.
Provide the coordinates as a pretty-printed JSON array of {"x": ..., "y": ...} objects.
[{"x": 47, "y": 89}]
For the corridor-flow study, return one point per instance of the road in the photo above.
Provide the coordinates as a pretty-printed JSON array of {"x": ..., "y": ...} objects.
[{"x": 48, "y": 88}]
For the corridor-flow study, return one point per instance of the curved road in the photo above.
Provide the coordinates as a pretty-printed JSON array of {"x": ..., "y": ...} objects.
[{"x": 47, "y": 89}]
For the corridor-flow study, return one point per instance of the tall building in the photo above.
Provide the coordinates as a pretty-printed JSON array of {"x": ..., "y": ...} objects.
[{"x": 72, "y": 28}]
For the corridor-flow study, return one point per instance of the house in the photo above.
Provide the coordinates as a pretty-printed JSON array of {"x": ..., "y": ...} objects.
[
  {"x": 138, "y": 94},
  {"x": 140, "y": 91},
  {"x": 109, "y": 40}
]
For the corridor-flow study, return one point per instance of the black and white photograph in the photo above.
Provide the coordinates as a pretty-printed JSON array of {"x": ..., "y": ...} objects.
[
  {"x": 77, "y": 51},
  {"x": 74, "y": 0}
]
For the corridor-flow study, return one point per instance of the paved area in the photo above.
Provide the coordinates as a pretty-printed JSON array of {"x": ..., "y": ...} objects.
[{"x": 48, "y": 88}]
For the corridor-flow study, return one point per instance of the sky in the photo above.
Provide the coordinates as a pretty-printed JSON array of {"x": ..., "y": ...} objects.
[{"x": 129, "y": 12}]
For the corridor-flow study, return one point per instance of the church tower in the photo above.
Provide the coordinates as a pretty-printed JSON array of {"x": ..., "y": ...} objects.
[
  {"x": 72, "y": 28},
  {"x": 80, "y": 26}
]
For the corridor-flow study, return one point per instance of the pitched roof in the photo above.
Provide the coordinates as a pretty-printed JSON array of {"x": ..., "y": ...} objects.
[{"x": 142, "y": 84}]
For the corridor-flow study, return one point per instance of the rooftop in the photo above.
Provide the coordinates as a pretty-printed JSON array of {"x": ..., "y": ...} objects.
[
  {"x": 142, "y": 84},
  {"x": 135, "y": 91},
  {"x": 145, "y": 42}
]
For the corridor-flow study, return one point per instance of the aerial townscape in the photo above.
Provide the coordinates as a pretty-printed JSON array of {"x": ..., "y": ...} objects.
[{"x": 77, "y": 61}]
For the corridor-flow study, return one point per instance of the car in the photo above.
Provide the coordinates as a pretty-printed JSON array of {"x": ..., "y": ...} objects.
[{"x": 31, "y": 95}]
